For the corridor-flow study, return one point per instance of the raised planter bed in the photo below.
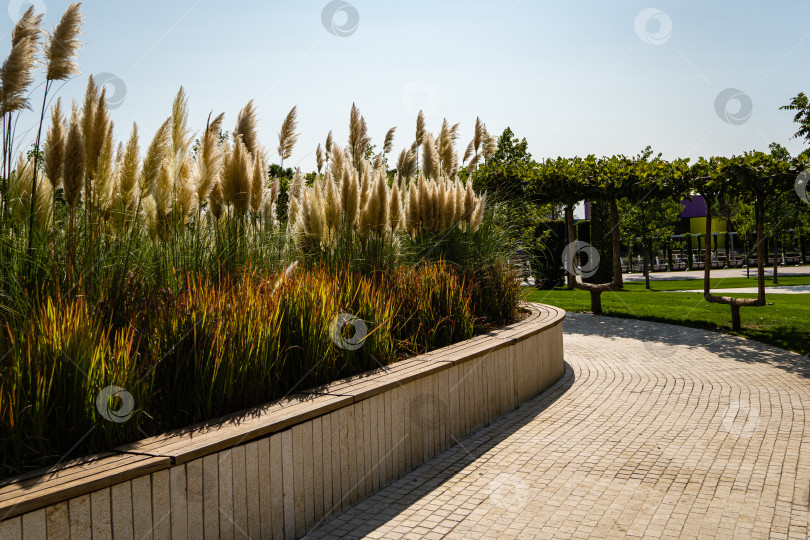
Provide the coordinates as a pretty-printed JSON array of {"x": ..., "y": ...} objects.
[{"x": 278, "y": 470}]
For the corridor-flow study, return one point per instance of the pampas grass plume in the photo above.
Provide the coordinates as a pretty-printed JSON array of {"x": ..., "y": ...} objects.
[
  {"x": 73, "y": 170},
  {"x": 257, "y": 188},
  {"x": 332, "y": 205},
  {"x": 216, "y": 199},
  {"x": 238, "y": 179},
  {"x": 209, "y": 160},
  {"x": 155, "y": 155},
  {"x": 64, "y": 43},
  {"x": 430, "y": 158},
  {"x": 246, "y": 128},
  {"x": 16, "y": 74},
  {"x": 420, "y": 128},
  {"x": 388, "y": 145},
  {"x": 55, "y": 146},
  {"x": 288, "y": 135},
  {"x": 319, "y": 158},
  {"x": 478, "y": 214},
  {"x": 395, "y": 216}
]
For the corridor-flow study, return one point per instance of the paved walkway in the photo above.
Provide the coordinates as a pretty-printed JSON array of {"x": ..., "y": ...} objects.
[
  {"x": 790, "y": 289},
  {"x": 654, "y": 431},
  {"x": 718, "y": 273}
]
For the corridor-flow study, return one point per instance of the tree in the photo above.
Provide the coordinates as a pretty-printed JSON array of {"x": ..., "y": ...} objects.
[
  {"x": 662, "y": 214},
  {"x": 284, "y": 175},
  {"x": 560, "y": 181},
  {"x": 647, "y": 182},
  {"x": 782, "y": 213},
  {"x": 604, "y": 181},
  {"x": 760, "y": 177},
  {"x": 801, "y": 105},
  {"x": 506, "y": 177}
]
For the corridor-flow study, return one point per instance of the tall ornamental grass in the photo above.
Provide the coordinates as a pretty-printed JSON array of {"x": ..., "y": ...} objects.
[
  {"x": 152, "y": 282},
  {"x": 217, "y": 347}
]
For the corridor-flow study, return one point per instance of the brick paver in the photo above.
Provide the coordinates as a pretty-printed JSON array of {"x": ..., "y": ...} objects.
[{"x": 654, "y": 431}]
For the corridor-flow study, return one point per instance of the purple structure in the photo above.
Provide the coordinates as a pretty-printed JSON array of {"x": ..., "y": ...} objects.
[{"x": 694, "y": 208}]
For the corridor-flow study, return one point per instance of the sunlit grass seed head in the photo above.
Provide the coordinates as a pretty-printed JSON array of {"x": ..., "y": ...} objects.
[
  {"x": 319, "y": 158},
  {"x": 237, "y": 179},
  {"x": 104, "y": 182},
  {"x": 395, "y": 210},
  {"x": 209, "y": 160},
  {"x": 17, "y": 71},
  {"x": 74, "y": 166},
  {"x": 156, "y": 154},
  {"x": 126, "y": 192},
  {"x": 430, "y": 157},
  {"x": 412, "y": 211},
  {"x": 332, "y": 204},
  {"x": 478, "y": 214},
  {"x": 185, "y": 188},
  {"x": 60, "y": 53},
  {"x": 246, "y": 123},
  {"x": 20, "y": 186},
  {"x": 54, "y": 150},
  {"x": 257, "y": 187},
  {"x": 216, "y": 200},
  {"x": 350, "y": 195},
  {"x": 288, "y": 135},
  {"x": 98, "y": 130}
]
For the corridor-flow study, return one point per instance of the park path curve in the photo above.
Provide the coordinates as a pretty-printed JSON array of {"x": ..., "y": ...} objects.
[{"x": 653, "y": 431}]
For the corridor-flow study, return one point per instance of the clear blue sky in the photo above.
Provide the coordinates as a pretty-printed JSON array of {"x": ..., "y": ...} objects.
[{"x": 572, "y": 77}]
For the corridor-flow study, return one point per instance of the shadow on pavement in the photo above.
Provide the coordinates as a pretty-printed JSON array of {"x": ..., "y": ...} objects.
[
  {"x": 401, "y": 494},
  {"x": 723, "y": 345}
]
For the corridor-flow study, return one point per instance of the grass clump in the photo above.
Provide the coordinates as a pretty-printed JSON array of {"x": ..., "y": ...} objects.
[{"x": 149, "y": 284}]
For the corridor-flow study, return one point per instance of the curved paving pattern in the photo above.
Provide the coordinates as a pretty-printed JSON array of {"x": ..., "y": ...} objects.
[{"x": 654, "y": 431}]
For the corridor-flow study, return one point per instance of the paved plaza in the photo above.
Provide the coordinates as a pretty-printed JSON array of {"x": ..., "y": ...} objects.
[{"x": 653, "y": 431}]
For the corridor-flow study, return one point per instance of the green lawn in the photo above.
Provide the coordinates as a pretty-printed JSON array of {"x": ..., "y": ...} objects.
[
  {"x": 717, "y": 283},
  {"x": 784, "y": 322}
]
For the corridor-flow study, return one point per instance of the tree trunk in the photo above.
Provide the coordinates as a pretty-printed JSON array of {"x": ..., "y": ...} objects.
[
  {"x": 689, "y": 252},
  {"x": 669, "y": 254},
  {"x": 600, "y": 226},
  {"x": 759, "y": 208},
  {"x": 735, "y": 317},
  {"x": 707, "y": 267},
  {"x": 747, "y": 252},
  {"x": 775, "y": 262},
  {"x": 569, "y": 220},
  {"x": 596, "y": 290},
  {"x": 728, "y": 243},
  {"x": 617, "y": 245},
  {"x": 646, "y": 263},
  {"x": 596, "y": 302}
]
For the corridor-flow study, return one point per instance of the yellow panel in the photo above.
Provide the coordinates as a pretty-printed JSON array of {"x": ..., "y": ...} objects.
[{"x": 697, "y": 225}]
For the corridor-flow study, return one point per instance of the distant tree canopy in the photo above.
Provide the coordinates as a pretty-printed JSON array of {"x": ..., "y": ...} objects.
[
  {"x": 801, "y": 105},
  {"x": 507, "y": 173},
  {"x": 506, "y": 177}
]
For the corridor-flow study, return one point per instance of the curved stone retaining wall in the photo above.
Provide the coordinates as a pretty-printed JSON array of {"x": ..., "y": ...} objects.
[{"x": 279, "y": 470}]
